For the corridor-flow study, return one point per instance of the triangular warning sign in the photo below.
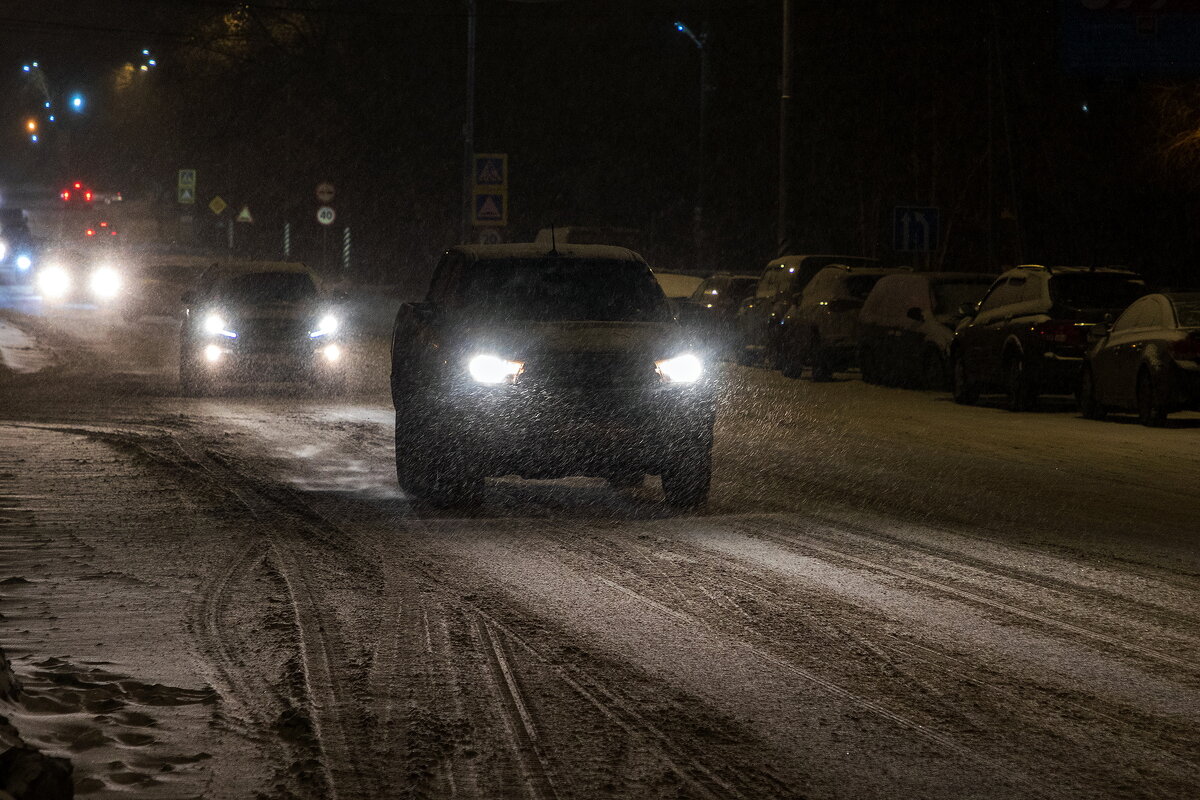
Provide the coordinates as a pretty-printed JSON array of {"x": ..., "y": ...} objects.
[
  {"x": 489, "y": 173},
  {"x": 489, "y": 208},
  {"x": 244, "y": 215},
  {"x": 187, "y": 194}
]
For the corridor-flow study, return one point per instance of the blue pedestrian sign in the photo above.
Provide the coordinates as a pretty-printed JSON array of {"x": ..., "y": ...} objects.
[
  {"x": 915, "y": 230},
  {"x": 491, "y": 171},
  {"x": 490, "y": 208}
]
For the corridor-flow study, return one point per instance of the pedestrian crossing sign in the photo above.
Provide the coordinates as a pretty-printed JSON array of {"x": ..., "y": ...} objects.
[
  {"x": 490, "y": 208},
  {"x": 491, "y": 171}
]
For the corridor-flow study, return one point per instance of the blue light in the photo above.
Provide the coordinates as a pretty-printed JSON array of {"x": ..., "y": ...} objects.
[
  {"x": 51, "y": 118},
  {"x": 145, "y": 52},
  {"x": 46, "y": 104},
  {"x": 25, "y": 68},
  {"x": 679, "y": 26},
  {"x": 24, "y": 262},
  {"x": 33, "y": 138},
  {"x": 35, "y": 64},
  {"x": 152, "y": 63},
  {"x": 1084, "y": 108},
  {"x": 77, "y": 102}
]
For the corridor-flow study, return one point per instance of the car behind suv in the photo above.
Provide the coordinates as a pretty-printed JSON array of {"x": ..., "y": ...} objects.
[
  {"x": 760, "y": 316},
  {"x": 1028, "y": 335},
  {"x": 545, "y": 363},
  {"x": 820, "y": 330}
]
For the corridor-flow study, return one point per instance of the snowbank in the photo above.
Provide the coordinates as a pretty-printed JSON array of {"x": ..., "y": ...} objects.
[{"x": 20, "y": 352}]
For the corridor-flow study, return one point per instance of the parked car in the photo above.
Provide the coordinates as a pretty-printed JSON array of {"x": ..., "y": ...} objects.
[
  {"x": 543, "y": 364},
  {"x": 760, "y": 316},
  {"x": 678, "y": 285},
  {"x": 820, "y": 330},
  {"x": 1148, "y": 361},
  {"x": 1028, "y": 335},
  {"x": 907, "y": 324},
  {"x": 259, "y": 321},
  {"x": 712, "y": 307}
]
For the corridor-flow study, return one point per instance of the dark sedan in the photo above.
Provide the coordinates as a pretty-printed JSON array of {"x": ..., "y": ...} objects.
[{"x": 1148, "y": 361}]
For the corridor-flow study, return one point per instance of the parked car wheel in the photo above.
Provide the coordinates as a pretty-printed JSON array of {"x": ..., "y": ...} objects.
[
  {"x": 965, "y": 392},
  {"x": 1152, "y": 412},
  {"x": 1022, "y": 392},
  {"x": 867, "y": 365},
  {"x": 933, "y": 370},
  {"x": 1089, "y": 405}
]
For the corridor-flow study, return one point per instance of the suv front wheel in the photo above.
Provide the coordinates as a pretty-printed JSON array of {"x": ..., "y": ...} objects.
[{"x": 687, "y": 478}]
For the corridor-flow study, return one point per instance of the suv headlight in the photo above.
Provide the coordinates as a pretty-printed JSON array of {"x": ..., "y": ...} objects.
[
  {"x": 493, "y": 369},
  {"x": 686, "y": 368},
  {"x": 326, "y": 326}
]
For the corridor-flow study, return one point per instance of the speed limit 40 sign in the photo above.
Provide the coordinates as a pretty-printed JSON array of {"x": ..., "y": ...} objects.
[{"x": 326, "y": 215}]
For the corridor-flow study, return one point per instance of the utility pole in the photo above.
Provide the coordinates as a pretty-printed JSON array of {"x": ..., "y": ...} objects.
[
  {"x": 783, "y": 240},
  {"x": 469, "y": 127}
]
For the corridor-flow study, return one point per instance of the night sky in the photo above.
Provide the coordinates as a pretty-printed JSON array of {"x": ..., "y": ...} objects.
[{"x": 968, "y": 107}]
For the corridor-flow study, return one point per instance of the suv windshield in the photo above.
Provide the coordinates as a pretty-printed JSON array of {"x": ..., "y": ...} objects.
[
  {"x": 1188, "y": 312},
  {"x": 267, "y": 287},
  {"x": 859, "y": 286},
  {"x": 565, "y": 289},
  {"x": 1095, "y": 290},
  {"x": 949, "y": 296}
]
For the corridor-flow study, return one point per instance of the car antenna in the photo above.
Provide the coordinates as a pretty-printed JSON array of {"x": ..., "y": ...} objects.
[{"x": 553, "y": 242}]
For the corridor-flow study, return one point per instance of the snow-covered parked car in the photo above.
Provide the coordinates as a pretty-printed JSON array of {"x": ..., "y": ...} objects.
[{"x": 544, "y": 364}]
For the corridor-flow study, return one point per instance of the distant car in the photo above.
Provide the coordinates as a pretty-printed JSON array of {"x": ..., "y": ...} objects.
[
  {"x": 760, "y": 316},
  {"x": 545, "y": 364},
  {"x": 820, "y": 330},
  {"x": 1028, "y": 335},
  {"x": 907, "y": 323},
  {"x": 1148, "y": 361},
  {"x": 260, "y": 321},
  {"x": 87, "y": 276},
  {"x": 712, "y": 307}
]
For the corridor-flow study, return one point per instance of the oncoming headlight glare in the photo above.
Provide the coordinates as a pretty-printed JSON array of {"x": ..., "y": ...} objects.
[
  {"x": 216, "y": 324},
  {"x": 54, "y": 282},
  {"x": 106, "y": 283},
  {"x": 493, "y": 369},
  {"x": 681, "y": 369},
  {"x": 24, "y": 262},
  {"x": 326, "y": 326}
]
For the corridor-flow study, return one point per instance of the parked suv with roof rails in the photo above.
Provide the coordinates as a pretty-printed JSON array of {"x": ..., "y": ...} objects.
[
  {"x": 760, "y": 316},
  {"x": 1028, "y": 334},
  {"x": 820, "y": 330},
  {"x": 548, "y": 363}
]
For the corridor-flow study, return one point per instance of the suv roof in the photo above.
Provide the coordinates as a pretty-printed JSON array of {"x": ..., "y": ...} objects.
[
  {"x": 1056, "y": 270},
  {"x": 486, "y": 252}
]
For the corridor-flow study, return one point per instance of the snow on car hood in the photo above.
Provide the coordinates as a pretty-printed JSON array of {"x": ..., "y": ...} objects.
[{"x": 655, "y": 339}]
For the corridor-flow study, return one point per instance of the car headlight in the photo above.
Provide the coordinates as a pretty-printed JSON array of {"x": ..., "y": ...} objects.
[
  {"x": 493, "y": 369},
  {"x": 3, "y": 249},
  {"x": 106, "y": 283},
  {"x": 54, "y": 282},
  {"x": 326, "y": 326},
  {"x": 24, "y": 262},
  {"x": 216, "y": 324},
  {"x": 681, "y": 369}
]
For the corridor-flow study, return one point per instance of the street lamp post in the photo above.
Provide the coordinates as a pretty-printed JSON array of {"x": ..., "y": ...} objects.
[
  {"x": 698, "y": 230},
  {"x": 783, "y": 242}
]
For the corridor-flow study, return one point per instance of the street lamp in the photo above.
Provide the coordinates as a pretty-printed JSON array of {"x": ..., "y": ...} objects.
[{"x": 698, "y": 212}]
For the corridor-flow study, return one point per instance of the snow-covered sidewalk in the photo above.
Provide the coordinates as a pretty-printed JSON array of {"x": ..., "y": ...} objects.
[{"x": 21, "y": 352}]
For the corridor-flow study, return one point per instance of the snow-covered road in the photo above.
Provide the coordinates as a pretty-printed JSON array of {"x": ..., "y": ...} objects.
[{"x": 888, "y": 596}]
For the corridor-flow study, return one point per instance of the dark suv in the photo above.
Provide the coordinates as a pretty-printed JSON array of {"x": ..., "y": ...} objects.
[
  {"x": 545, "y": 363},
  {"x": 1028, "y": 334}
]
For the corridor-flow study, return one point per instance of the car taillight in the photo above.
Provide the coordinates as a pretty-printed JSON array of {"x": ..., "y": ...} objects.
[
  {"x": 1187, "y": 349},
  {"x": 1063, "y": 332}
]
